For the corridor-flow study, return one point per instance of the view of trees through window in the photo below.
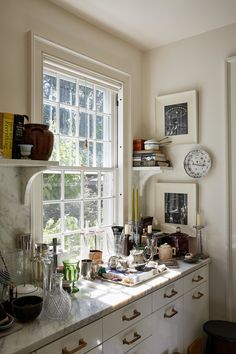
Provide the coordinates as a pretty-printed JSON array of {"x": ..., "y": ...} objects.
[{"x": 81, "y": 114}]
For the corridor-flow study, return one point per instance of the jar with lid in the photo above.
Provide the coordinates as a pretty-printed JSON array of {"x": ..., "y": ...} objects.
[{"x": 179, "y": 240}]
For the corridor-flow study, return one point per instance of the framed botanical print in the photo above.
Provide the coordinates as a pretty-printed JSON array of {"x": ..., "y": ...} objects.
[
  {"x": 176, "y": 117},
  {"x": 176, "y": 204}
]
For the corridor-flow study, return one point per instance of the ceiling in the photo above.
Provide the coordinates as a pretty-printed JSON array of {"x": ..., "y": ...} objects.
[{"x": 148, "y": 24}]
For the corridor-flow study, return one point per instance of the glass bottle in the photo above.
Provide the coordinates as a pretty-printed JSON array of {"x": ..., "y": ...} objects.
[{"x": 57, "y": 303}]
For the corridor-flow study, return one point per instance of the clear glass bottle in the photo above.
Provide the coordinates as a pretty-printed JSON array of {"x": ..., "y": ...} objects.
[{"x": 57, "y": 303}]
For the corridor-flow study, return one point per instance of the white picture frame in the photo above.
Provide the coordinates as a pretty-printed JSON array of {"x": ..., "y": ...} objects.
[
  {"x": 176, "y": 117},
  {"x": 176, "y": 205}
]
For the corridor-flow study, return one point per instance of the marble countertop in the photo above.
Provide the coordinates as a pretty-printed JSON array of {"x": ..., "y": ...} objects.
[{"x": 94, "y": 300}]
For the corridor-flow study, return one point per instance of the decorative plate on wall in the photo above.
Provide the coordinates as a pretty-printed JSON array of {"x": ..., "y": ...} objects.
[{"x": 197, "y": 163}]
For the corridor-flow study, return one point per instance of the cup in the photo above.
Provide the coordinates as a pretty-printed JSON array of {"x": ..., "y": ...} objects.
[
  {"x": 25, "y": 150},
  {"x": 86, "y": 268}
]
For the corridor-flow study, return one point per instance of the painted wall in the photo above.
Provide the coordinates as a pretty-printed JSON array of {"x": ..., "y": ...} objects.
[
  {"x": 49, "y": 21},
  {"x": 198, "y": 63}
]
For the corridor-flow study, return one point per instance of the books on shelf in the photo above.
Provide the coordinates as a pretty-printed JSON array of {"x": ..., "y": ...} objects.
[
  {"x": 11, "y": 134},
  {"x": 150, "y": 158}
]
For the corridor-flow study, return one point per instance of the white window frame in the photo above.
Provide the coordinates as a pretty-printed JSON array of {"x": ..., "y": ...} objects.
[{"x": 38, "y": 47}]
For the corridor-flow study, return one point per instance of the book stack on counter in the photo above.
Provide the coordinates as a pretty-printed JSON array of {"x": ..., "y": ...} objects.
[
  {"x": 11, "y": 134},
  {"x": 150, "y": 158}
]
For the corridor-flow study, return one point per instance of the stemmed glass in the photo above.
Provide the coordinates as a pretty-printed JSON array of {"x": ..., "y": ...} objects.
[{"x": 71, "y": 273}]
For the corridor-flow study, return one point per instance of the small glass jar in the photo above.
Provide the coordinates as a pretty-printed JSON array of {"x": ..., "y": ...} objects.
[{"x": 57, "y": 303}]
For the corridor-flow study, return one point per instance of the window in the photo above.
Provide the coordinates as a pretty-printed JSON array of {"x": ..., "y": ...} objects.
[
  {"x": 81, "y": 111},
  {"x": 77, "y": 96}
]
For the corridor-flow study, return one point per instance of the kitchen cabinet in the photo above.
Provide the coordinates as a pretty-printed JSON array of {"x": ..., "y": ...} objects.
[
  {"x": 168, "y": 328},
  {"x": 84, "y": 340},
  {"x": 196, "y": 306},
  {"x": 177, "y": 323}
]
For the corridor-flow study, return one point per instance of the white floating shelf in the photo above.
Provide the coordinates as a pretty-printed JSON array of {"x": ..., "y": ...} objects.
[
  {"x": 27, "y": 163},
  {"x": 145, "y": 172}
]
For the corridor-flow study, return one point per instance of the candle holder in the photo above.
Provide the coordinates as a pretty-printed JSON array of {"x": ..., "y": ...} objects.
[{"x": 200, "y": 254}]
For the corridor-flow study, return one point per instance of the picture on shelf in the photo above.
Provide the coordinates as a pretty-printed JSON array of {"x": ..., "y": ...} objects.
[
  {"x": 176, "y": 204},
  {"x": 176, "y": 117}
]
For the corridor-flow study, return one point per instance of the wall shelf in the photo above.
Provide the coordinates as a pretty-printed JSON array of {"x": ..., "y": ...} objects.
[
  {"x": 142, "y": 174},
  {"x": 29, "y": 169}
]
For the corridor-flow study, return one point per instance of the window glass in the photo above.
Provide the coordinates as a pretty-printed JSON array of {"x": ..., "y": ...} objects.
[{"x": 82, "y": 116}]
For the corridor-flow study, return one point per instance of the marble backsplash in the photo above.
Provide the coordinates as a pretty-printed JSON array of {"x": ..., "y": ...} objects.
[{"x": 14, "y": 215}]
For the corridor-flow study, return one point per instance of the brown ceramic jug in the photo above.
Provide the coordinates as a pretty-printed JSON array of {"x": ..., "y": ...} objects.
[{"x": 41, "y": 138}]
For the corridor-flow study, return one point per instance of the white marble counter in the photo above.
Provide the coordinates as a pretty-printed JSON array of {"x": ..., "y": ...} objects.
[{"x": 94, "y": 300}]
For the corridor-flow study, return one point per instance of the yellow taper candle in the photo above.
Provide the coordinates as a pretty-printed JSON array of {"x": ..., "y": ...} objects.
[
  {"x": 133, "y": 206},
  {"x": 136, "y": 205}
]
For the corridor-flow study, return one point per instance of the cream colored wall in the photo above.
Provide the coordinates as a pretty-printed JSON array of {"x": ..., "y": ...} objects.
[
  {"x": 198, "y": 63},
  {"x": 17, "y": 17}
]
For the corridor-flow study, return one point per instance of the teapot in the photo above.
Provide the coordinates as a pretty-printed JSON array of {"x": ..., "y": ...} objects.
[{"x": 165, "y": 252}]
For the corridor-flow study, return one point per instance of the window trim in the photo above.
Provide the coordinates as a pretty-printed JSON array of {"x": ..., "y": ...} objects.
[{"x": 37, "y": 49}]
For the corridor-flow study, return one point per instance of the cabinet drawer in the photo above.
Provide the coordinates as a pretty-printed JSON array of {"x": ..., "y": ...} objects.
[
  {"x": 129, "y": 338},
  {"x": 121, "y": 319},
  {"x": 145, "y": 347},
  {"x": 195, "y": 278},
  {"x": 84, "y": 339},
  {"x": 167, "y": 294}
]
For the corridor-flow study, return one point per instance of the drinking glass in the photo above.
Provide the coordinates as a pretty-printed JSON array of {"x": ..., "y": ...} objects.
[{"x": 71, "y": 273}]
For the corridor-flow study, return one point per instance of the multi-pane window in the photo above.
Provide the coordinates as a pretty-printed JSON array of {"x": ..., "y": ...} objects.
[{"x": 81, "y": 112}]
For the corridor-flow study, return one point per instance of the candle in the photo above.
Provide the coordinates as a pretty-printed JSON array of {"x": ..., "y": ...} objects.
[
  {"x": 136, "y": 206},
  {"x": 133, "y": 206},
  {"x": 200, "y": 219},
  {"x": 126, "y": 229},
  {"x": 149, "y": 229}
]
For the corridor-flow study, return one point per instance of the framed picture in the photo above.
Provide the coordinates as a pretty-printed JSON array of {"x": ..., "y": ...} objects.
[
  {"x": 176, "y": 205},
  {"x": 176, "y": 117}
]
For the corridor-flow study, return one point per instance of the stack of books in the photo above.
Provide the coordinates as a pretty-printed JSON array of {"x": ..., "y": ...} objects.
[
  {"x": 150, "y": 158},
  {"x": 11, "y": 134}
]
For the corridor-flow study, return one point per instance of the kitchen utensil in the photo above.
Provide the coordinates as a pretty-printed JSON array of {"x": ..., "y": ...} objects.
[{"x": 165, "y": 252}]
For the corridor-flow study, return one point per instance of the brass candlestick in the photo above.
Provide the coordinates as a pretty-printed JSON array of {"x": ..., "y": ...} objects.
[{"x": 200, "y": 254}]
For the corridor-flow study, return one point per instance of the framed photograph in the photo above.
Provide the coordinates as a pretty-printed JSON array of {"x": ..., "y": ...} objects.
[
  {"x": 176, "y": 205},
  {"x": 176, "y": 117}
]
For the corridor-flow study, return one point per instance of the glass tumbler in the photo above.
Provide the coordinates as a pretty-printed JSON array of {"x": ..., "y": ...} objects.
[{"x": 57, "y": 303}]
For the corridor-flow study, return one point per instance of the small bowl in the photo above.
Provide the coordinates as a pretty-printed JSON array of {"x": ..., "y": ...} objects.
[
  {"x": 27, "y": 308},
  {"x": 7, "y": 324},
  {"x": 151, "y": 145}
]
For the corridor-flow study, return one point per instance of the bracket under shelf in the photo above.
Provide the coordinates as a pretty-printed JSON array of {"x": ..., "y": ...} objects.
[{"x": 144, "y": 173}]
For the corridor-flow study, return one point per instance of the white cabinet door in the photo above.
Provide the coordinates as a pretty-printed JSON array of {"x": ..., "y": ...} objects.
[
  {"x": 126, "y": 340},
  {"x": 167, "y": 331},
  {"x": 145, "y": 347},
  {"x": 97, "y": 350},
  {"x": 196, "y": 312}
]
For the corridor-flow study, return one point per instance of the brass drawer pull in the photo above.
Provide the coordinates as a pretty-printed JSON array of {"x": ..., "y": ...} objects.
[
  {"x": 82, "y": 344},
  {"x": 196, "y": 280},
  {"x": 173, "y": 293},
  {"x": 136, "y": 337},
  {"x": 196, "y": 297},
  {"x": 174, "y": 312},
  {"x": 136, "y": 314}
]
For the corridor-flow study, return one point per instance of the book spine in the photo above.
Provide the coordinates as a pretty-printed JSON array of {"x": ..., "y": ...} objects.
[
  {"x": 17, "y": 135},
  {"x": 8, "y": 121}
]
